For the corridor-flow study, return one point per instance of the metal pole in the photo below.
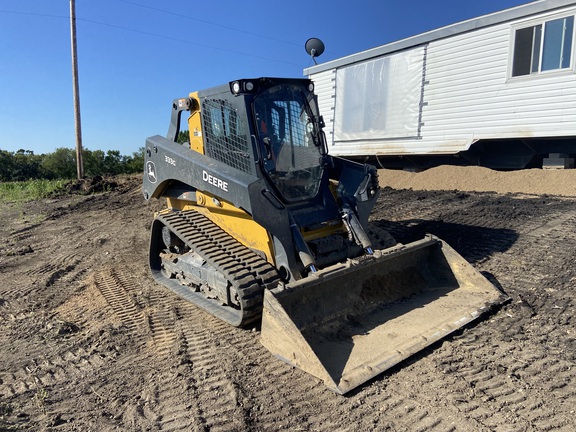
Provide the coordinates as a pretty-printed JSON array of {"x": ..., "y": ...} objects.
[{"x": 77, "y": 122}]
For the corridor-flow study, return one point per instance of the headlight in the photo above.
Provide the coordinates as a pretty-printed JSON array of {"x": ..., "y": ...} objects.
[
  {"x": 242, "y": 86},
  {"x": 311, "y": 87}
]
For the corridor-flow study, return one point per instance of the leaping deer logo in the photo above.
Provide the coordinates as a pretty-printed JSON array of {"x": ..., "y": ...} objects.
[{"x": 151, "y": 172}]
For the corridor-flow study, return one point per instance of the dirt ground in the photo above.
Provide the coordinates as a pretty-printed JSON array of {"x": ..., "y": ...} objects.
[{"x": 88, "y": 342}]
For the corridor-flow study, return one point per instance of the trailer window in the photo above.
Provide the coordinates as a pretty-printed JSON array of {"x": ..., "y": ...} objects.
[{"x": 543, "y": 47}]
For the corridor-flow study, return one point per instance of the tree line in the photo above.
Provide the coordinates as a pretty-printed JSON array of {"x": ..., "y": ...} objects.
[{"x": 24, "y": 165}]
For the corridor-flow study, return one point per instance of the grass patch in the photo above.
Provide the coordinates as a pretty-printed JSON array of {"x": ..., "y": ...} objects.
[{"x": 29, "y": 190}]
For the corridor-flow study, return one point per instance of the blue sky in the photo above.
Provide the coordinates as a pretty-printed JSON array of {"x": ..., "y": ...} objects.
[{"x": 136, "y": 56}]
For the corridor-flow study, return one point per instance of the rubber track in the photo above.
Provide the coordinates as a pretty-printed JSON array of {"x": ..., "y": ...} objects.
[{"x": 247, "y": 272}]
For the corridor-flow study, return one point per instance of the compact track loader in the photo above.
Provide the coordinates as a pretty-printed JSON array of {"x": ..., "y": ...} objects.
[{"x": 263, "y": 224}]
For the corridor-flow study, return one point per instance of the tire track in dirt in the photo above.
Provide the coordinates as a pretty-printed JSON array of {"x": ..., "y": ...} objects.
[
  {"x": 270, "y": 400},
  {"x": 522, "y": 382},
  {"x": 488, "y": 385},
  {"x": 174, "y": 403},
  {"x": 168, "y": 401},
  {"x": 532, "y": 279},
  {"x": 555, "y": 226},
  {"x": 171, "y": 404},
  {"x": 205, "y": 397},
  {"x": 154, "y": 321},
  {"x": 212, "y": 379},
  {"x": 300, "y": 400},
  {"x": 161, "y": 320},
  {"x": 255, "y": 376},
  {"x": 509, "y": 389},
  {"x": 116, "y": 290},
  {"x": 389, "y": 402}
]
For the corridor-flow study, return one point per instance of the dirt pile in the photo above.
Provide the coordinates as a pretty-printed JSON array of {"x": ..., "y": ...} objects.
[
  {"x": 98, "y": 184},
  {"x": 478, "y": 179}
]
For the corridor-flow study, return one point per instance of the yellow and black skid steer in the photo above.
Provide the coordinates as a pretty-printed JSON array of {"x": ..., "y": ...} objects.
[{"x": 263, "y": 224}]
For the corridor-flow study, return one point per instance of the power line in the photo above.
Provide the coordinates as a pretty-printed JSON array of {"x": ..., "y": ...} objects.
[
  {"x": 209, "y": 22},
  {"x": 185, "y": 41},
  {"x": 153, "y": 35},
  {"x": 165, "y": 12},
  {"x": 34, "y": 14}
]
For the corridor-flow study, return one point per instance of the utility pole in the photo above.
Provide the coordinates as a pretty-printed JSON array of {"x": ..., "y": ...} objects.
[{"x": 77, "y": 122}]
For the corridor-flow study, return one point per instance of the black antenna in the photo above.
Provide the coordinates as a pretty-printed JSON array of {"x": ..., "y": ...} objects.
[{"x": 314, "y": 48}]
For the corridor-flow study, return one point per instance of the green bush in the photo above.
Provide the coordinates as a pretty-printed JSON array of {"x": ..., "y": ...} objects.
[{"x": 29, "y": 190}]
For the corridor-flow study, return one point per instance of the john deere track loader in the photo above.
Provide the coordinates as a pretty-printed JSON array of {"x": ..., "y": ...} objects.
[{"x": 263, "y": 224}]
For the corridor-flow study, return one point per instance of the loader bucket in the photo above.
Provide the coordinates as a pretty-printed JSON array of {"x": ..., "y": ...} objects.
[{"x": 347, "y": 324}]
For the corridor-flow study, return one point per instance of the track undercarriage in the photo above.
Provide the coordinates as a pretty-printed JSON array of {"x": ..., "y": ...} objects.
[{"x": 205, "y": 265}]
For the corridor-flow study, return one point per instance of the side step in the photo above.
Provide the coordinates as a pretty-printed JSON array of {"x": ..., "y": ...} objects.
[{"x": 349, "y": 323}]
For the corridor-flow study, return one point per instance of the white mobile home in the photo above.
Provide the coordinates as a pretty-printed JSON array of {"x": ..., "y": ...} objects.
[{"x": 496, "y": 91}]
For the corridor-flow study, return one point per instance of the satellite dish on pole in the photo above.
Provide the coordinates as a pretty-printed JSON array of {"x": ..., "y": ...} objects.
[{"x": 314, "y": 48}]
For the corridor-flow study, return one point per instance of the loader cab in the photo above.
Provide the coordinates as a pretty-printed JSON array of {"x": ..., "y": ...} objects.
[{"x": 290, "y": 139}]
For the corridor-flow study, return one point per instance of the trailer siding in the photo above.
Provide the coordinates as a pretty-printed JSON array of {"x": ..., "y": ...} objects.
[{"x": 325, "y": 88}]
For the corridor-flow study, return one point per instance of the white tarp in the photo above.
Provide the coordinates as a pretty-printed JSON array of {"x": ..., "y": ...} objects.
[{"x": 379, "y": 98}]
